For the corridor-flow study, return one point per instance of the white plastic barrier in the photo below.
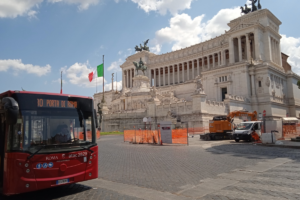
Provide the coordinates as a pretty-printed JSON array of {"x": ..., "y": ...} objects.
[{"x": 268, "y": 138}]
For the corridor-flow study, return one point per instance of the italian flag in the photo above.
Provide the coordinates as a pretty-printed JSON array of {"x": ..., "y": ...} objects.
[{"x": 96, "y": 73}]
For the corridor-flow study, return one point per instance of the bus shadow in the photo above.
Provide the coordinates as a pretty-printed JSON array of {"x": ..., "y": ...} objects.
[{"x": 69, "y": 191}]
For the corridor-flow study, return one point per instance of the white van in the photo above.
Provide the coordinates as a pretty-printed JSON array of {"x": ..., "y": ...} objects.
[{"x": 243, "y": 130}]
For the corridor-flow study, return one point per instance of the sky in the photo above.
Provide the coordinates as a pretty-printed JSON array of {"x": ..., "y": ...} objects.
[{"x": 41, "y": 38}]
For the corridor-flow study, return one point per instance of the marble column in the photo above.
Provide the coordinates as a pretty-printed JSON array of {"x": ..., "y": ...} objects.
[
  {"x": 188, "y": 70},
  {"x": 193, "y": 71},
  {"x": 231, "y": 51},
  {"x": 127, "y": 80},
  {"x": 178, "y": 81},
  {"x": 240, "y": 48},
  {"x": 203, "y": 63},
  {"x": 214, "y": 61},
  {"x": 169, "y": 82},
  {"x": 183, "y": 72},
  {"x": 279, "y": 51},
  {"x": 173, "y": 69},
  {"x": 219, "y": 59},
  {"x": 257, "y": 45},
  {"x": 154, "y": 78},
  {"x": 208, "y": 62},
  {"x": 198, "y": 67},
  {"x": 248, "y": 47},
  {"x": 159, "y": 78},
  {"x": 164, "y": 76}
]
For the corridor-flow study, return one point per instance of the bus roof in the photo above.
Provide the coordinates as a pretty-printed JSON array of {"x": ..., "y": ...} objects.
[{"x": 11, "y": 92}]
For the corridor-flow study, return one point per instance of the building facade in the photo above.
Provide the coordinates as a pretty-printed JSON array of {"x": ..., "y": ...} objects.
[{"x": 242, "y": 69}]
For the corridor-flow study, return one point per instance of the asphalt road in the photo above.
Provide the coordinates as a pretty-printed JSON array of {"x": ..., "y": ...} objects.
[{"x": 202, "y": 170}]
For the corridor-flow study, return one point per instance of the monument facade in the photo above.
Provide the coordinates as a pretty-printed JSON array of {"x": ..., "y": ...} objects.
[{"x": 243, "y": 69}]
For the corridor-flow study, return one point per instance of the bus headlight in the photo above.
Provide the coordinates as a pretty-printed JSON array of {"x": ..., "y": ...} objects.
[
  {"x": 27, "y": 185},
  {"x": 91, "y": 157},
  {"x": 26, "y": 165},
  {"x": 90, "y": 162},
  {"x": 27, "y": 170}
]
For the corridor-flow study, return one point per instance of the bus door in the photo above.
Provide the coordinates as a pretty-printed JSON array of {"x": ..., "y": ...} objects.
[{"x": 2, "y": 139}]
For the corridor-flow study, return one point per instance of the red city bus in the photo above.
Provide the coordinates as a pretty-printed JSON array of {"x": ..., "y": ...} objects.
[{"x": 46, "y": 140}]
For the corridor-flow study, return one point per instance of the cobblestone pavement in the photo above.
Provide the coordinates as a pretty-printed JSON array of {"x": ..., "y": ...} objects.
[{"x": 203, "y": 170}]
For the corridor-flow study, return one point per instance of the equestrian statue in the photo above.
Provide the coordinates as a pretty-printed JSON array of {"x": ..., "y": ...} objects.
[{"x": 140, "y": 66}]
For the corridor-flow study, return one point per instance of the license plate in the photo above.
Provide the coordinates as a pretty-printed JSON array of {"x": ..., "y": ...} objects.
[{"x": 58, "y": 182}]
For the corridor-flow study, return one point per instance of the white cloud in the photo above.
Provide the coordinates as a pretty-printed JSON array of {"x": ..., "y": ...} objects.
[
  {"x": 291, "y": 47},
  {"x": 78, "y": 73},
  {"x": 185, "y": 31},
  {"x": 18, "y": 67},
  {"x": 82, "y": 4},
  {"x": 163, "y": 6},
  {"x": 15, "y": 8},
  {"x": 115, "y": 65},
  {"x": 156, "y": 49},
  {"x": 107, "y": 87}
]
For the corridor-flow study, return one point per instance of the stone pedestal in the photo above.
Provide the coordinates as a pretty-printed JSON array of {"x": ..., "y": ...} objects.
[
  {"x": 199, "y": 103},
  {"x": 140, "y": 84}
]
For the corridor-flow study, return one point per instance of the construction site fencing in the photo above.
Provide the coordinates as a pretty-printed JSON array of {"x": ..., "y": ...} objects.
[
  {"x": 286, "y": 128},
  {"x": 150, "y": 134},
  {"x": 291, "y": 130}
]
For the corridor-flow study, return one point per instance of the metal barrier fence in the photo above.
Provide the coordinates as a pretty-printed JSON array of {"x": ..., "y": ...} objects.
[
  {"x": 287, "y": 128},
  {"x": 151, "y": 134}
]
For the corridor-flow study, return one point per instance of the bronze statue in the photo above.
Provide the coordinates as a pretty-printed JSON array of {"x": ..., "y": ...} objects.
[
  {"x": 137, "y": 48},
  {"x": 246, "y": 10},
  {"x": 140, "y": 66},
  {"x": 141, "y": 48},
  {"x": 254, "y": 7}
]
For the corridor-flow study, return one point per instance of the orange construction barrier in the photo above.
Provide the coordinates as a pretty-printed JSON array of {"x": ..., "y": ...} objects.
[
  {"x": 179, "y": 136},
  {"x": 98, "y": 134},
  {"x": 290, "y": 130}
]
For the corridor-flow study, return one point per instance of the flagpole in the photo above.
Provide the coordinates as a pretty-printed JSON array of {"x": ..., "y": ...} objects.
[
  {"x": 61, "y": 82},
  {"x": 96, "y": 79},
  {"x": 103, "y": 101}
]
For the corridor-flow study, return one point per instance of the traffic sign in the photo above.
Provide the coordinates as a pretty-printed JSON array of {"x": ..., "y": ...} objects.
[
  {"x": 45, "y": 165},
  {"x": 145, "y": 119},
  {"x": 50, "y": 165}
]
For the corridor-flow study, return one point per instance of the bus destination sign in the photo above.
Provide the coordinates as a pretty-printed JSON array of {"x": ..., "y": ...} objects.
[{"x": 50, "y": 103}]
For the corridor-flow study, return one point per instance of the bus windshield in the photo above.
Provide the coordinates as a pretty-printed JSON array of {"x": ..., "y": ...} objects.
[{"x": 54, "y": 130}]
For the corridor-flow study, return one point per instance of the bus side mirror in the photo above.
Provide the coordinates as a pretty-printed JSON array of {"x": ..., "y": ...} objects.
[{"x": 11, "y": 108}]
